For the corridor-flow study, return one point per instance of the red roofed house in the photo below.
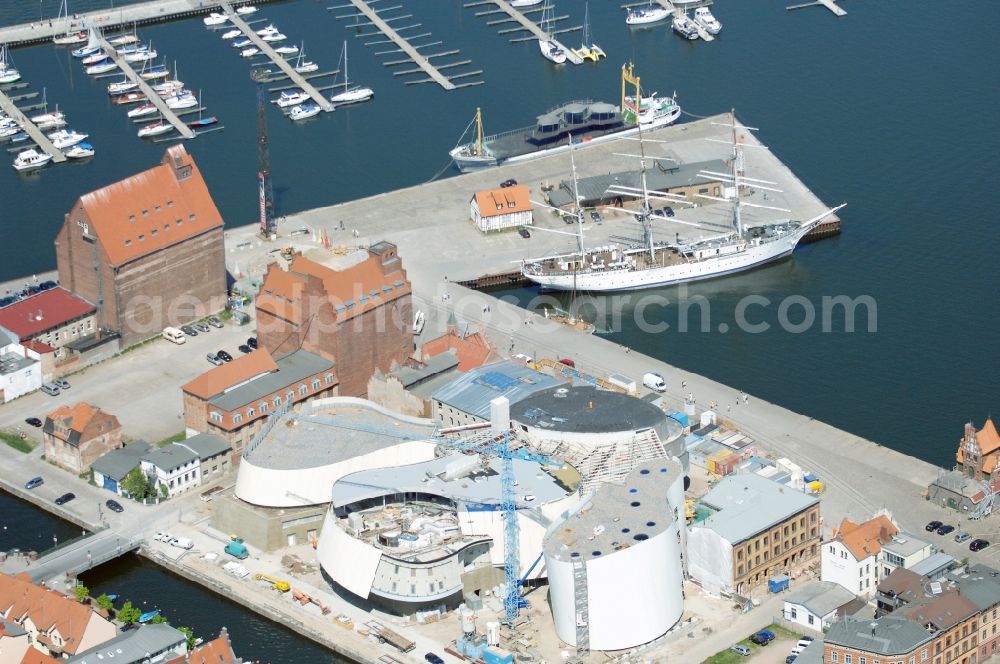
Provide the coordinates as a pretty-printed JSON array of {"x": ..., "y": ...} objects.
[
  {"x": 216, "y": 651},
  {"x": 361, "y": 316},
  {"x": 147, "y": 251},
  {"x": 51, "y": 318},
  {"x": 56, "y": 624},
  {"x": 497, "y": 209},
  {"x": 76, "y": 436},
  {"x": 469, "y": 343},
  {"x": 979, "y": 451},
  {"x": 233, "y": 400}
]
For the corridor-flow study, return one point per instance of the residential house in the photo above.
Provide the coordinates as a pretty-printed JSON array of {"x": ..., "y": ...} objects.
[
  {"x": 755, "y": 529},
  {"x": 499, "y": 209},
  {"x": 888, "y": 640},
  {"x": 233, "y": 400},
  {"x": 185, "y": 465},
  {"x": 360, "y": 316},
  {"x": 147, "y": 251},
  {"x": 817, "y": 604},
  {"x": 976, "y": 476},
  {"x": 217, "y": 651},
  {"x": 76, "y": 436},
  {"x": 14, "y": 643},
  {"x": 852, "y": 557},
  {"x": 149, "y": 644},
  {"x": 20, "y": 367},
  {"x": 978, "y": 451},
  {"x": 33, "y": 656},
  {"x": 466, "y": 400},
  {"x": 110, "y": 469},
  {"x": 55, "y": 624},
  {"x": 53, "y": 317}
]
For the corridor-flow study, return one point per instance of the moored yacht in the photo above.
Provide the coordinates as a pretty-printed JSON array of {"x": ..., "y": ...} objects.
[
  {"x": 232, "y": 34},
  {"x": 65, "y": 138},
  {"x": 121, "y": 87},
  {"x": 215, "y": 18},
  {"x": 101, "y": 67},
  {"x": 80, "y": 151},
  {"x": 291, "y": 98},
  {"x": 703, "y": 17},
  {"x": 551, "y": 49},
  {"x": 8, "y": 72},
  {"x": 30, "y": 160},
  {"x": 304, "y": 111},
  {"x": 245, "y": 9},
  {"x": 140, "y": 111},
  {"x": 685, "y": 27},
  {"x": 155, "y": 129},
  {"x": 646, "y": 15},
  {"x": 350, "y": 95}
]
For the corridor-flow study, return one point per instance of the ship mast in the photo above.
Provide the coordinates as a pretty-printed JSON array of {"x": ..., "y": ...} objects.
[
  {"x": 738, "y": 172},
  {"x": 479, "y": 132},
  {"x": 576, "y": 202},
  {"x": 646, "y": 208}
]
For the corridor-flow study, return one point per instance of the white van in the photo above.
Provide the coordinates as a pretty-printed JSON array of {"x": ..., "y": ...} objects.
[
  {"x": 654, "y": 381},
  {"x": 173, "y": 334},
  {"x": 182, "y": 543}
]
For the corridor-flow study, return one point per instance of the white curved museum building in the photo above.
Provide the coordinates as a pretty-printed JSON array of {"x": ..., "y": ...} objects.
[{"x": 619, "y": 556}]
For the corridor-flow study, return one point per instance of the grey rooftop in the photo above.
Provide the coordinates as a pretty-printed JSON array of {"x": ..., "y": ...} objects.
[
  {"x": 472, "y": 392},
  {"x": 888, "y": 635},
  {"x": 292, "y": 368},
  {"x": 116, "y": 464},
  {"x": 206, "y": 445},
  {"x": 820, "y": 598},
  {"x": 138, "y": 645},
  {"x": 585, "y": 409},
  {"x": 905, "y": 544},
  {"x": 660, "y": 176},
  {"x": 745, "y": 505}
]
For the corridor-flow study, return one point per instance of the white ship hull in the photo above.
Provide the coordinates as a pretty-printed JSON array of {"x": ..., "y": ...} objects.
[
  {"x": 626, "y": 279},
  {"x": 551, "y": 51}
]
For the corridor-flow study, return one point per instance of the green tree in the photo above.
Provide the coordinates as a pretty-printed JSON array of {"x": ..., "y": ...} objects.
[
  {"x": 136, "y": 484},
  {"x": 189, "y": 633},
  {"x": 158, "y": 618},
  {"x": 104, "y": 602},
  {"x": 129, "y": 615},
  {"x": 164, "y": 492},
  {"x": 81, "y": 592}
]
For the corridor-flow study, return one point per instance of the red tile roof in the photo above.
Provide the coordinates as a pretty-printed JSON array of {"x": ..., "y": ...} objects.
[
  {"x": 48, "y": 609},
  {"x": 472, "y": 350},
  {"x": 153, "y": 209},
  {"x": 75, "y": 417},
  {"x": 35, "y": 656},
  {"x": 241, "y": 369},
  {"x": 216, "y": 651},
  {"x": 865, "y": 539},
  {"x": 38, "y": 346},
  {"x": 506, "y": 200},
  {"x": 43, "y": 311}
]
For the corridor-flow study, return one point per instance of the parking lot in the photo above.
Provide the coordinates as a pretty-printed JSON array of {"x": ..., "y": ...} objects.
[{"x": 141, "y": 387}]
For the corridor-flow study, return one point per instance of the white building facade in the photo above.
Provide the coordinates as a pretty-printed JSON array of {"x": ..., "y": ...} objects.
[
  {"x": 500, "y": 209},
  {"x": 20, "y": 368}
]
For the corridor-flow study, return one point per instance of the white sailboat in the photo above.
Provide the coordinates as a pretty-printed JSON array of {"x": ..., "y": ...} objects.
[
  {"x": 550, "y": 48},
  {"x": 8, "y": 72},
  {"x": 71, "y": 36},
  {"x": 350, "y": 95},
  {"x": 625, "y": 268},
  {"x": 520, "y": 4},
  {"x": 646, "y": 15},
  {"x": 155, "y": 129},
  {"x": 302, "y": 65},
  {"x": 92, "y": 46}
]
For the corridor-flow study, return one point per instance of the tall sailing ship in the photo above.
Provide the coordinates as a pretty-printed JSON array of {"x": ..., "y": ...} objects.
[
  {"x": 654, "y": 264},
  {"x": 586, "y": 121}
]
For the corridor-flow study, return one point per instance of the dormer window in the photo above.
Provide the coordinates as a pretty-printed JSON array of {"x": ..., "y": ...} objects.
[
  {"x": 128, "y": 243},
  {"x": 145, "y": 213},
  {"x": 157, "y": 208},
  {"x": 154, "y": 232},
  {"x": 170, "y": 204},
  {"x": 191, "y": 217},
  {"x": 141, "y": 237},
  {"x": 131, "y": 217}
]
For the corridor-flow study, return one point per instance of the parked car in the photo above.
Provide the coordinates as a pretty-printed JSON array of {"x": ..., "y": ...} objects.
[
  {"x": 508, "y": 183},
  {"x": 34, "y": 482},
  {"x": 34, "y": 421},
  {"x": 962, "y": 537},
  {"x": 569, "y": 219},
  {"x": 945, "y": 529},
  {"x": 243, "y": 348},
  {"x": 433, "y": 659},
  {"x": 805, "y": 637},
  {"x": 188, "y": 330},
  {"x": 115, "y": 506},
  {"x": 978, "y": 545},
  {"x": 668, "y": 211},
  {"x": 523, "y": 232},
  {"x": 595, "y": 215},
  {"x": 740, "y": 650},
  {"x": 224, "y": 356},
  {"x": 202, "y": 327},
  {"x": 791, "y": 658},
  {"x": 61, "y": 383},
  {"x": 65, "y": 498},
  {"x": 803, "y": 643},
  {"x": 50, "y": 389},
  {"x": 47, "y": 285},
  {"x": 214, "y": 359},
  {"x": 214, "y": 321},
  {"x": 163, "y": 537},
  {"x": 252, "y": 342},
  {"x": 932, "y": 526},
  {"x": 763, "y": 637}
]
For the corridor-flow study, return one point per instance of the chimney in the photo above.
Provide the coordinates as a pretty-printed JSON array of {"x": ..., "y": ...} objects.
[{"x": 499, "y": 415}]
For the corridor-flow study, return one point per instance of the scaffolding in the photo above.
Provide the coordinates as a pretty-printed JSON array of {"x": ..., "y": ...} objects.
[{"x": 609, "y": 463}]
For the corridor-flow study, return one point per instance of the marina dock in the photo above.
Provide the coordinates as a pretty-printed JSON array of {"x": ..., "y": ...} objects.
[
  {"x": 165, "y": 111},
  {"x": 829, "y": 4},
  {"x": 277, "y": 58},
  {"x": 36, "y": 134},
  {"x": 532, "y": 27},
  {"x": 415, "y": 56}
]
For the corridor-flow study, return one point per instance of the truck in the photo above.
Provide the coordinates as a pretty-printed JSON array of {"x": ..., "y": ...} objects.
[
  {"x": 654, "y": 381},
  {"x": 623, "y": 382}
]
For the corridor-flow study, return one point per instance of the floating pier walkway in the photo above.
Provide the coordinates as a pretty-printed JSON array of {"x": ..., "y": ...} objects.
[
  {"x": 156, "y": 100},
  {"x": 526, "y": 24},
  {"x": 413, "y": 55},
  {"x": 277, "y": 58},
  {"x": 829, "y": 4},
  {"x": 29, "y": 127}
]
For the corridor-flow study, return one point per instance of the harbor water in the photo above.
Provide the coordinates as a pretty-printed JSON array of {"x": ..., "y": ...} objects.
[{"x": 871, "y": 108}]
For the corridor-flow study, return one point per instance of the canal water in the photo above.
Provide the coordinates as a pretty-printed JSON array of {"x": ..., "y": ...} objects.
[
  {"x": 26, "y": 527},
  {"x": 881, "y": 108}
]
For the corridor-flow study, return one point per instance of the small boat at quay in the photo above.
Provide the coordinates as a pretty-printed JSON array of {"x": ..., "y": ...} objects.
[
  {"x": 101, "y": 67},
  {"x": 304, "y": 112},
  {"x": 140, "y": 111},
  {"x": 704, "y": 18},
  {"x": 8, "y": 72},
  {"x": 159, "y": 71},
  {"x": 121, "y": 87},
  {"x": 270, "y": 28},
  {"x": 287, "y": 50},
  {"x": 31, "y": 160},
  {"x": 242, "y": 43},
  {"x": 140, "y": 56},
  {"x": 550, "y": 48},
  {"x": 181, "y": 100},
  {"x": 46, "y": 120},
  {"x": 274, "y": 37},
  {"x": 685, "y": 27},
  {"x": 155, "y": 129},
  {"x": 215, "y": 18},
  {"x": 350, "y": 95},
  {"x": 232, "y": 34},
  {"x": 168, "y": 87},
  {"x": 291, "y": 98},
  {"x": 646, "y": 15},
  {"x": 65, "y": 138},
  {"x": 80, "y": 151},
  {"x": 245, "y": 9},
  {"x": 130, "y": 98},
  {"x": 519, "y": 4},
  {"x": 127, "y": 38},
  {"x": 94, "y": 58},
  {"x": 249, "y": 52}
]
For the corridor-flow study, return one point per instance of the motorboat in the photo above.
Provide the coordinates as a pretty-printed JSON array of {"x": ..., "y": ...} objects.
[
  {"x": 232, "y": 34},
  {"x": 101, "y": 67},
  {"x": 94, "y": 58},
  {"x": 168, "y": 87},
  {"x": 155, "y": 129},
  {"x": 550, "y": 48},
  {"x": 249, "y": 52},
  {"x": 65, "y": 138},
  {"x": 140, "y": 56},
  {"x": 130, "y": 98},
  {"x": 287, "y": 50},
  {"x": 9, "y": 130},
  {"x": 519, "y": 4},
  {"x": 274, "y": 37},
  {"x": 121, "y": 87},
  {"x": 127, "y": 38},
  {"x": 291, "y": 98},
  {"x": 153, "y": 73},
  {"x": 304, "y": 111},
  {"x": 30, "y": 160},
  {"x": 350, "y": 95},
  {"x": 140, "y": 111},
  {"x": 245, "y": 9},
  {"x": 48, "y": 118},
  {"x": 646, "y": 15},
  {"x": 306, "y": 67},
  {"x": 19, "y": 137},
  {"x": 269, "y": 29},
  {"x": 703, "y": 17},
  {"x": 242, "y": 43},
  {"x": 685, "y": 27},
  {"x": 180, "y": 100},
  {"x": 215, "y": 18},
  {"x": 80, "y": 151}
]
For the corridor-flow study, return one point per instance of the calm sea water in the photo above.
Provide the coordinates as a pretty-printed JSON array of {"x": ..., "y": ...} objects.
[{"x": 880, "y": 108}]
